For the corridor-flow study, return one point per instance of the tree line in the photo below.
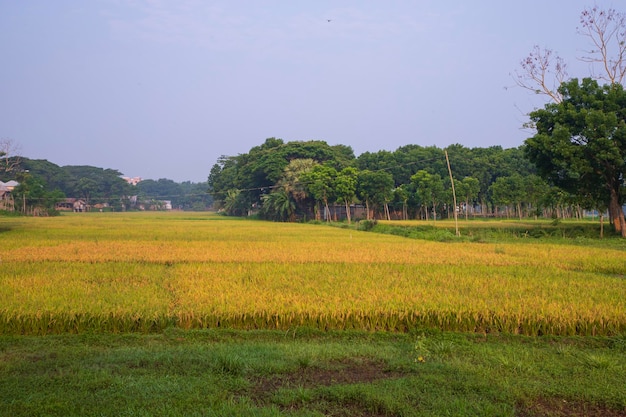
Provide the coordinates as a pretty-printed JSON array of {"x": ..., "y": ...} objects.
[
  {"x": 575, "y": 160},
  {"x": 286, "y": 181}
]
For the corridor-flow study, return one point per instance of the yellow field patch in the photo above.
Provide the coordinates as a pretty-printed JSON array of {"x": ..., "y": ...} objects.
[{"x": 146, "y": 271}]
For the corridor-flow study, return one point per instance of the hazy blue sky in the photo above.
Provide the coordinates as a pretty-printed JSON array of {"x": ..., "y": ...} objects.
[{"x": 161, "y": 89}]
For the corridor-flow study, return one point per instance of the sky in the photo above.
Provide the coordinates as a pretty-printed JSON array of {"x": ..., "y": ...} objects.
[{"x": 163, "y": 88}]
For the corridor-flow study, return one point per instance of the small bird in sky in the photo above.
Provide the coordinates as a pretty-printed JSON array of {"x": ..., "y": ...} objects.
[{"x": 329, "y": 20}]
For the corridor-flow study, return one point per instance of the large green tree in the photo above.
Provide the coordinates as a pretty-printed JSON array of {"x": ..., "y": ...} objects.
[
  {"x": 345, "y": 185},
  {"x": 580, "y": 144},
  {"x": 468, "y": 189},
  {"x": 430, "y": 190},
  {"x": 375, "y": 188},
  {"x": 508, "y": 192},
  {"x": 319, "y": 182},
  {"x": 259, "y": 170}
]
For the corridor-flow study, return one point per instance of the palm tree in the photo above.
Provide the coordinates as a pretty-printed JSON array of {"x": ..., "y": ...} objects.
[
  {"x": 279, "y": 206},
  {"x": 232, "y": 203}
]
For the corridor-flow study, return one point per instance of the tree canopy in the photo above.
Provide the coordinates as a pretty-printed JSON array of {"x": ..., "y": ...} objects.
[
  {"x": 299, "y": 180},
  {"x": 580, "y": 144}
]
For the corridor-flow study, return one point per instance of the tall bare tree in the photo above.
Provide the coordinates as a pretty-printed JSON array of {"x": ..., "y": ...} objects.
[
  {"x": 570, "y": 126},
  {"x": 543, "y": 71},
  {"x": 9, "y": 158},
  {"x": 606, "y": 31}
]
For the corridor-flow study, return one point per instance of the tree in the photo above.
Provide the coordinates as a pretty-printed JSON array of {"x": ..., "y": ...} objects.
[
  {"x": 376, "y": 189},
  {"x": 87, "y": 187},
  {"x": 9, "y": 160},
  {"x": 401, "y": 193},
  {"x": 543, "y": 72},
  {"x": 320, "y": 183},
  {"x": 345, "y": 187},
  {"x": 278, "y": 205},
  {"x": 580, "y": 143},
  {"x": 234, "y": 204},
  {"x": 429, "y": 189},
  {"x": 291, "y": 179},
  {"x": 509, "y": 191},
  {"x": 537, "y": 191},
  {"x": 468, "y": 188},
  {"x": 606, "y": 31},
  {"x": 163, "y": 188},
  {"x": 289, "y": 193},
  {"x": 588, "y": 104}
]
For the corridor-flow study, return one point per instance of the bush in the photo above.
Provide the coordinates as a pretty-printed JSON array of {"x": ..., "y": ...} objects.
[{"x": 366, "y": 225}]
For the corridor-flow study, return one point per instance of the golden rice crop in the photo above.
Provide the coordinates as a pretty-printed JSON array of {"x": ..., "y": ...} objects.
[{"x": 146, "y": 271}]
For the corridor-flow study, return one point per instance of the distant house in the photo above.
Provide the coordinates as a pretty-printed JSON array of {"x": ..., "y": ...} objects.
[
  {"x": 4, "y": 190},
  {"x": 6, "y": 199},
  {"x": 133, "y": 180},
  {"x": 77, "y": 205},
  {"x": 100, "y": 206},
  {"x": 9, "y": 185}
]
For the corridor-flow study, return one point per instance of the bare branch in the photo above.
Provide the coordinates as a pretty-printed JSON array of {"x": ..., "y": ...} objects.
[
  {"x": 606, "y": 29},
  {"x": 9, "y": 159},
  {"x": 542, "y": 72}
]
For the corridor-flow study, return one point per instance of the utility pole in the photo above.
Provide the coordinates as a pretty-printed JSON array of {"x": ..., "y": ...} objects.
[{"x": 456, "y": 219}]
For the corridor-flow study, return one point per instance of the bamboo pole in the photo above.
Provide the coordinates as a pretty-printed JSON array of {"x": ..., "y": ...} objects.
[{"x": 456, "y": 219}]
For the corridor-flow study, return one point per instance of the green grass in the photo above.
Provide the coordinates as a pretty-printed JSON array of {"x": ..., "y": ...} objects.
[
  {"x": 305, "y": 372},
  {"x": 576, "y": 232}
]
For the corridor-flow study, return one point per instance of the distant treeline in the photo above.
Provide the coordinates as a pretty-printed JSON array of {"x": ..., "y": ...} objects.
[
  {"x": 43, "y": 184},
  {"x": 311, "y": 179}
]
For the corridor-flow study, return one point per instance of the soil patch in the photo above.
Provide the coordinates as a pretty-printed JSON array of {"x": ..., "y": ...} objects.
[
  {"x": 554, "y": 407},
  {"x": 347, "y": 371},
  {"x": 365, "y": 370}
]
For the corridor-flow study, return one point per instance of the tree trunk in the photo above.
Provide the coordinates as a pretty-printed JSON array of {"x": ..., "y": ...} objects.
[
  {"x": 616, "y": 214},
  {"x": 328, "y": 214},
  {"x": 347, "y": 211},
  {"x": 601, "y": 225}
]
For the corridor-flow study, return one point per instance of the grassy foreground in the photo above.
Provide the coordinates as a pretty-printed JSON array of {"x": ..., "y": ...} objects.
[{"x": 306, "y": 372}]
